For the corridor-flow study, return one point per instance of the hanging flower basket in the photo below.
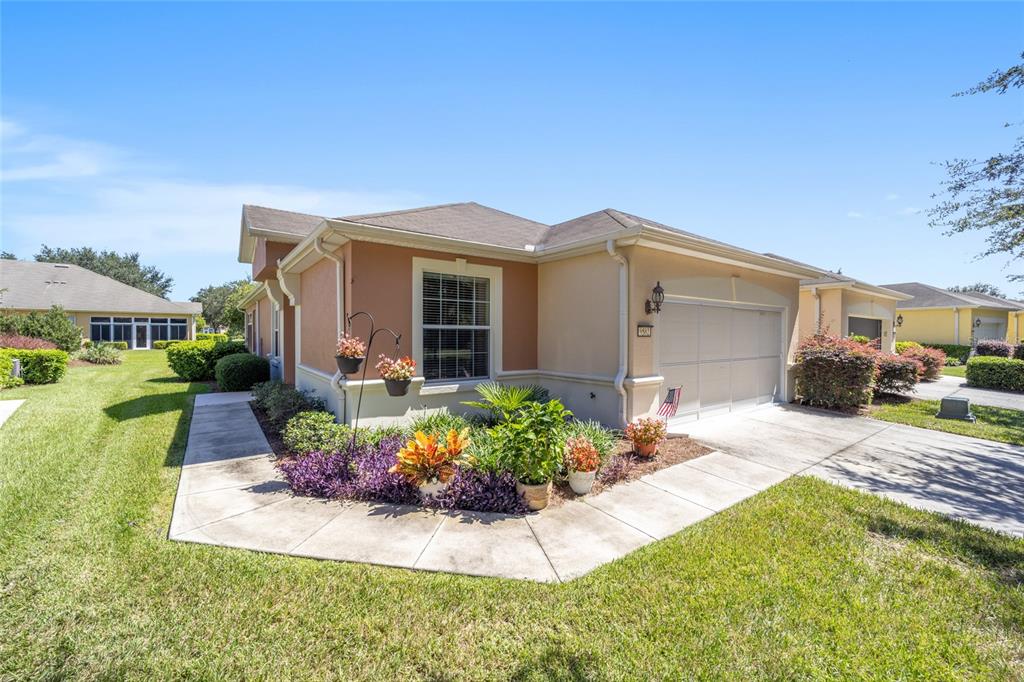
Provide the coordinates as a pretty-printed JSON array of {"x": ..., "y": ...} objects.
[
  {"x": 348, "y": 365},
  {"x": 397, "y": 387},
  {"x": 350, "y": 353},
  {"x": 396, "y": 373}
]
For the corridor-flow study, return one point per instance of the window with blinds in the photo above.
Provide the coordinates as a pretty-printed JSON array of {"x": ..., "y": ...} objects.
[{"x": 456, "y": 326}]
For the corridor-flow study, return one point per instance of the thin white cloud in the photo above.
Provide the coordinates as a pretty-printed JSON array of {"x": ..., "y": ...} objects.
[
  {"x": 892, "y": 196},
  {"x": 96, "y": 199},
  {"x": 854, "y": 214},
  {"x": 909, "y": 210}
]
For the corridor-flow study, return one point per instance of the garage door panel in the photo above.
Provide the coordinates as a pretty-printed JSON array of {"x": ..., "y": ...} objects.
[
  {"x": 744, "y": 380},
  {"x": 745, "y": 334},
  {"x": 768, "y": 371},
  {"x": 769, "y": 333},
  {"x": 715, "y": 333},
  {"x": 715, "y": 386},
  {"x": 680, "y": 329}
]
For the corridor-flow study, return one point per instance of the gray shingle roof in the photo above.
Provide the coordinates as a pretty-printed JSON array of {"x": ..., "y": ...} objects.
[
  {"x": 467, "y": 221},
  {"x": 38, "y": 286},
  {"x": 275, "y": 220},
  {"x": 927, "y": 296}
]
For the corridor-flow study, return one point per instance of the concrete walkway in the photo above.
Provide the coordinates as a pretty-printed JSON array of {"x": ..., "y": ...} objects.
[
  {"x": 946, "y": 386},
  {"x": 230, "y": 493},
  {"x": 975, "y": 480},
  {"x": 7, "y": 408}
]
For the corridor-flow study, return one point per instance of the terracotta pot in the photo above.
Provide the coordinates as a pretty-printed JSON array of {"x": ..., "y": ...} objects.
[
  {"x": 536, "y": 496},
  {"x": 348, "y": 365},
  {"x": 431, "y": 488},
  {"x": 645, "y": 450},
  {"x": 582, "y": 482},
  {"x": 397, "y": 387}
]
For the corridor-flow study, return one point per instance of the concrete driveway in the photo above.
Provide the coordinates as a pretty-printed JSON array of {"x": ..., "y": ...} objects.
[
  {"x": 966, "y": 478},
  {"x": 946, "y": 386}
]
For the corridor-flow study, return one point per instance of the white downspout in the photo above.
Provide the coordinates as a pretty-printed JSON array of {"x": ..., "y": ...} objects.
[
  {"x": 620, "y": 375},
  {"x": 339, "y": 274}
]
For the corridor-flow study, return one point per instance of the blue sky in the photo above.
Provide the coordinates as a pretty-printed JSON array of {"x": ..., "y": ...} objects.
[{"x": 809, "y": 130}]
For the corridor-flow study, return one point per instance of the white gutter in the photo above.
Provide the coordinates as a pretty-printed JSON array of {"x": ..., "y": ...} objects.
[
  {"x": 620, "y": 375},
  {"x": 339, "y": 293}
]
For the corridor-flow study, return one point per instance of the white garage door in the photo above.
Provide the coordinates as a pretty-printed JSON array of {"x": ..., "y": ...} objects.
[{"x": 724, "y": 358}]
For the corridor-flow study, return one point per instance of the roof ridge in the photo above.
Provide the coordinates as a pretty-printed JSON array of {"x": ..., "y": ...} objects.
[
  {"x": 407, "y": 210},
  {"x": 281, "y": 210},
  {"x": 617, "y": 215},
  {"x": 512, "y": 215}
]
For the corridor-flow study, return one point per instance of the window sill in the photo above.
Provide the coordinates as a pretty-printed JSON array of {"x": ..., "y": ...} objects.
[{"x": 441, "y": 387}]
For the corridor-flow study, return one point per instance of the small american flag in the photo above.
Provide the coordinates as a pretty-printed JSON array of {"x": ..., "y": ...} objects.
[{"x": 671, "y": 403}]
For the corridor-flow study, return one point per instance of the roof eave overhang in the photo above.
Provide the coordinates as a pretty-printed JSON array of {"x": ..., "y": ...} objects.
[
  {"x": 252, "y": 296},
  {"x": 249, "y": 236},
  {"x": 859, "y": 287}
]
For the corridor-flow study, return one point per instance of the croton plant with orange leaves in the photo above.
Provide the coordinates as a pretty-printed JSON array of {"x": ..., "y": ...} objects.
[{"x": 424, "y": 459}]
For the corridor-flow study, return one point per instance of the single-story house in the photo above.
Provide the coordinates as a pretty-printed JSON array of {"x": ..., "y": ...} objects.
[
  {"x": 105, "y": 309},
  {"x": 935, "y": 315},
  {"x": 608, "y": 311}
]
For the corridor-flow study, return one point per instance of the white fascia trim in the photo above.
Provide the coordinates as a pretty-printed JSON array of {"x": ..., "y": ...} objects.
[
  {"x": 459, "y": 266},
  {"x": 577, "y": 378},
  {"x": 705, "y": 251},
  {"x": 253, "y": 296},
  {"x": 861, "y": 288},
  {"x": 652, "y": 380},
  {"x": 297, "y": 259}
]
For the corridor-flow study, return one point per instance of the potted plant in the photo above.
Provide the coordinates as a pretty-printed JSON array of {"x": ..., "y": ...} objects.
[
  {"x": 349, "y": 354},
  {"x": 530, "y": 444},
  {"x": 646, "y": 433},
  {"x": 581, "y": 461},
  {"x": 396, "y": 373},
  {"x": 430, "y": 465}
]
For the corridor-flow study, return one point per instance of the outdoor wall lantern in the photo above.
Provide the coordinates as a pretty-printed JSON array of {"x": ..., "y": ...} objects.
[
  {"x": 899, "y": 320},
  {"x": 977, "y": 322},
  {"x": 653, "y": 304}
]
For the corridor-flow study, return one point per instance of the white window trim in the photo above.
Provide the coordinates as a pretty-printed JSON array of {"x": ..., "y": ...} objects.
[{"x": 459, "y": 266}]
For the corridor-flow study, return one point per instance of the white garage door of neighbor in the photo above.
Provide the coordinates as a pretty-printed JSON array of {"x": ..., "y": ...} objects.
[
  {"x": 990, "y": 330},
  {"x": 724, "y": 358}
]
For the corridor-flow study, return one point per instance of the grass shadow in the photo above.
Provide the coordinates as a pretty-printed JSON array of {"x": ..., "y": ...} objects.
[{"x": 555, "y": 663}]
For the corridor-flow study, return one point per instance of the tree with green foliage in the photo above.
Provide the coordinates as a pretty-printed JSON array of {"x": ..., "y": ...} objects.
[
  {"x": 124, "y": 268},
  {"x": 217, "y": 312},
  {"x": 7, "y": 255},
  {"x": 979, "y": 288},
  {"x": 234, "y": 316},
  {"x": 988, "y": 195}
]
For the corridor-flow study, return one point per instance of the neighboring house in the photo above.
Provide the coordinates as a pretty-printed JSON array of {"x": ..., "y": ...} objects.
[
  {"x": 105, "y": 309},
  {"x": 479, "y": 294},
  {"x": 846, "y": 306},
  {"x": 936, "y": 315}
]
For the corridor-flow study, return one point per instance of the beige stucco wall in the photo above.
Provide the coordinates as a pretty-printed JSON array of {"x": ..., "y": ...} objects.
[
  {"x": 934, "y": 326},
  {"x": 856, "y": 304},
  {"x": 264, "y": 307},
  {"x": 319, "y": 292},
  {"x": 578, "y": 315}
]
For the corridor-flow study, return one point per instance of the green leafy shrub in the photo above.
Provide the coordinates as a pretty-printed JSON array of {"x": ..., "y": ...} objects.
[
  {"x": 6, "y": 367},
  {"x": 196, "y": 360},
  {"x": 601, "y": 438},
  {"x": 860, "y": 338},
  {"x": 989, "y": 371},
  {"x": 53, "y": 325},
  {"x": 164, "y": 345},
  {"x": 39, "y": 366},
  {"x": 951, "y": 350},
  {"x": 100, "y": 354},
  {"x": 119, "y": 345},
  {"x": 531, "y": 441},
  {"x": 904, "y": 345},
  {"x": 1018, "y": 351},
  {"x": 999, "y": 349},
  {"x": 315, "y": 431},
  {"x": 834, "y": 372},
  {"x": 210, "y": 336},
  {"x": 896, "y": 374},
  {"x": 280, "y": 402},
  {"x": 441, "y": 421},
  {"x": 953, "y": 362},
  {"x": 932, "y": 361},
  {"x": 240, "y": 371}
]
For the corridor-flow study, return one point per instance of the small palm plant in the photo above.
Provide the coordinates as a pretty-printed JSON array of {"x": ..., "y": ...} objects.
[{"x": 501, "y": 400}]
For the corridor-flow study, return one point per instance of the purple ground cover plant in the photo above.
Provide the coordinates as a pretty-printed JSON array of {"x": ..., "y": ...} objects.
[
  {"x": 617, "y": 469},
  {"x": 319, "y": 474},
  {"x": 372, "y": 481},
  {"x": 481, "y": 491}
]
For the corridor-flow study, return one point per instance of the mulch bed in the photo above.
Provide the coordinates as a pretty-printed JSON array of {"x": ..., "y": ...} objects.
[
  {"x": 675, "y": 450},
  {"x": 273, "y": 437}
]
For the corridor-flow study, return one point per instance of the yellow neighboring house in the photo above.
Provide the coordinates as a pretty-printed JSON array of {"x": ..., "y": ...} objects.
[{"x": 935, "y": 315}]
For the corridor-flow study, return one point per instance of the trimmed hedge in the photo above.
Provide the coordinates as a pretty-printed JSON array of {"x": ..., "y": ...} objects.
[
  {"x": 240, "y": 371},
  {"x": 119, "y": 345},
  {"x": 987, "y": 371},
  {"x": 1018, "y": 351},
  {"x": 210, "y": 336},
  {"x": 196, "y": 360},
  {"x": 951, "y": 350},
  {"x": 992, "y": 348},
  {"x": 834, "y": 372},
  {"x": 896, "y": 374},
  {"x": 25, "y": 342},
  {"x": 164, "y": 345},
  {"x": 904, "y": 345},
  {"x": 38, "y": 366}
]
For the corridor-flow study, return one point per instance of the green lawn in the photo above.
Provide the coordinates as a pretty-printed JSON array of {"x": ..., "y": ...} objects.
[
  {"x": 804, "y": 581},
  {"x": 960, "y": 371},
  {"x": 994, "y": 423}
]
